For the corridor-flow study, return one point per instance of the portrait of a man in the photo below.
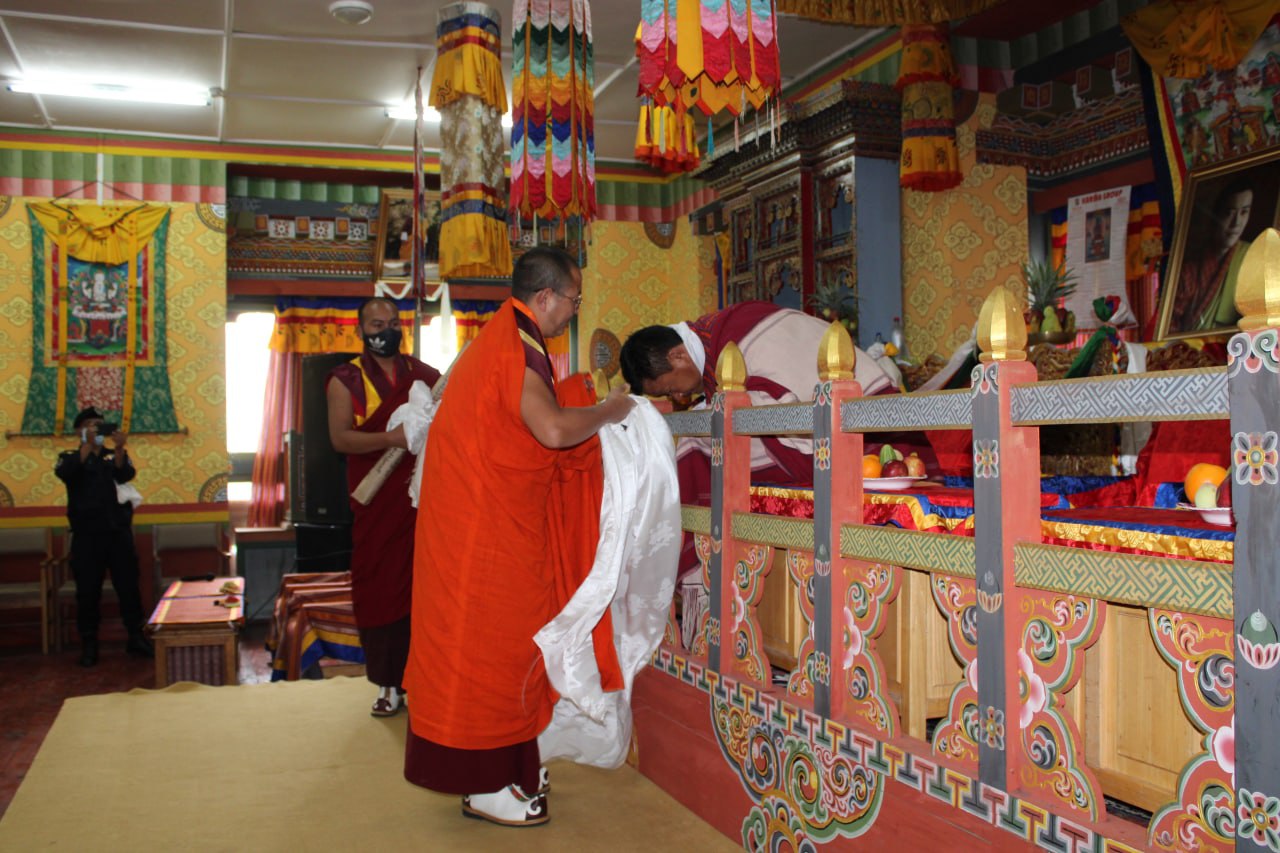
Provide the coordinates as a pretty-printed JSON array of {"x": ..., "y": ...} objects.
[{"x": 1225, "y": 207}]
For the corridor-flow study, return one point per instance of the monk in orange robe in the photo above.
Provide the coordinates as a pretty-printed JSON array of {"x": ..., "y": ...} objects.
[
  {"x": 362, "y": 394},
  {"x": 505, "y": 500}
]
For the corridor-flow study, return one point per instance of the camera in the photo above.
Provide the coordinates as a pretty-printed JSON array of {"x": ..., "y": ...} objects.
[{"x": 106, "y": 429}]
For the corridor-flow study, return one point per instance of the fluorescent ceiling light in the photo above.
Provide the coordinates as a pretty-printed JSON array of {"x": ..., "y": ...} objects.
[
  {"x": 158, "y": 93},
  {"x": 405, "y": 112}
]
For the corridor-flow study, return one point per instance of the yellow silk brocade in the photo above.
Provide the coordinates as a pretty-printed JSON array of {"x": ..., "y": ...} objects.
[
  {"x": 468, "y": 69},
  {"x": 1142, "y": 540}
]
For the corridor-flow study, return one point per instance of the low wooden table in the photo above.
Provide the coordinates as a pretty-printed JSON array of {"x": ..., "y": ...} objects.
[{"x": 194, "y": 629}]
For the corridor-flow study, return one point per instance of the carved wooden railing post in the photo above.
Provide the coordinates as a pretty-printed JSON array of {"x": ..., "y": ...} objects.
[
  {"x": 1253, "y": 388},
  {"x": 1006, "y": 500},
  {"x": 734, "y": 644},
  {"x": 837, "y": 500}
]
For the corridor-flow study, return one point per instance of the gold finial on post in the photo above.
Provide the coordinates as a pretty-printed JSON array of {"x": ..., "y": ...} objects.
[
  {"x": 731, "y": 370},
  {"x": 601, "y": 381},
  {"x": 1002, "y": 333},
  {"x": 836, "y": 355},
  {"x": 1258, "y": 283}
]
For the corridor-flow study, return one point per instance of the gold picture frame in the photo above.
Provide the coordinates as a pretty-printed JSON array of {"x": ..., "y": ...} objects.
[
  {"x": 1224, "y": 208},
  {"x": 391, "y": 255}
]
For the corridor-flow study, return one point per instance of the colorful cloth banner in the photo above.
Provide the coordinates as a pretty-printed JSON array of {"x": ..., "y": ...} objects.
[
  {"x": 929, "y": 161},
  {"x": 98, "y": 296},
  {"x": 665, "y": 140},
  {"x": 470, "y": 316},
  {"x": 1191, "y": 38},
  {"x": 467, "y": 89},
  {"x": 308, "y": 326},
  {"x": 553, "y": 147},
  {"x": 714, "y": 55},
  {"x": 1097, "y": 228}
]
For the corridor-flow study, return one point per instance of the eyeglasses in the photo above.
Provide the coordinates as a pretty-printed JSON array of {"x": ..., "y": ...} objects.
[{"x": 576, "y": 300}]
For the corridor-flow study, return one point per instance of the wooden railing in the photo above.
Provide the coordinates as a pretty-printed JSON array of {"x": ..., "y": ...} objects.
[{"x": 1152, "y": 679}]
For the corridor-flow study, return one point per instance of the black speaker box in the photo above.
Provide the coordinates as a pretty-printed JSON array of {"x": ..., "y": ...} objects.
[{"x": 317, "y": 471}]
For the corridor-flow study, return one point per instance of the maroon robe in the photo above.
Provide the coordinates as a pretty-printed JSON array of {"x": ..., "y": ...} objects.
[{"x": 382, "y": 532}]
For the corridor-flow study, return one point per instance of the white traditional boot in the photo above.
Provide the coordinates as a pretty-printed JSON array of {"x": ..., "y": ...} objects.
[
  {"x": 387, "y": 703},
  {"x": 544, "y": 781},
  {"x": 508, "y": 807}
]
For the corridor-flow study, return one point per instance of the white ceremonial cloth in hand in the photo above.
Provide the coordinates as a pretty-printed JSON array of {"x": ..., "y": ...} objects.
[
  {"x": 634, "y": 574},
  {"x": 416, "y": 417}
]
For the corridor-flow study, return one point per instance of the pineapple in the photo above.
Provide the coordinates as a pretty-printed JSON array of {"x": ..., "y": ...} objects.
[
  {"x": 1046, "y": 287},
  {"x": 834, "y": 300}
]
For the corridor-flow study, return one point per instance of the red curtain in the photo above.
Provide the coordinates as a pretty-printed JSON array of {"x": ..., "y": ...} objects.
[{"x": 281, "y": 413}]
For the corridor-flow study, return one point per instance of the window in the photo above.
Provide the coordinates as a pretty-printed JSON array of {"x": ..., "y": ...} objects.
[{"x": 248, "y": 357}]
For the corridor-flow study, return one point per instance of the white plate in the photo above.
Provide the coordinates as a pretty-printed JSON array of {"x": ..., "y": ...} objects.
[
  {"x": 889, "y": 484},
  {"x": 1220, "y": 515}
]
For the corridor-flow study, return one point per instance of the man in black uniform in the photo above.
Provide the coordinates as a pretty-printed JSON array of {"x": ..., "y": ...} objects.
[{"x": 101, "y": 532}]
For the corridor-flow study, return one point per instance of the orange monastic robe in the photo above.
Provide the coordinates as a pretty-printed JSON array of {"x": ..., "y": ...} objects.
[{"x": 504, "y": 527}]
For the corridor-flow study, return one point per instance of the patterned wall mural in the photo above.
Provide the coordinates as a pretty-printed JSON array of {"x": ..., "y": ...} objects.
[
  {"x": 957, "y": 244},
  {"x": 631, "y": 282},
  {"x": 172, "y": 469}
]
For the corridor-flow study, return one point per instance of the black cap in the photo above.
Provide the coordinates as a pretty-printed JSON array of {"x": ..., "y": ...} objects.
[{"x": 86, "y": 414}]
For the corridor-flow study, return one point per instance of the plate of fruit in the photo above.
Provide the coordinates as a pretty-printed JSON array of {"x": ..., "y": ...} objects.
[
  {"x": 1209, "y": 489},
  {"x": 890, "y": 471}
]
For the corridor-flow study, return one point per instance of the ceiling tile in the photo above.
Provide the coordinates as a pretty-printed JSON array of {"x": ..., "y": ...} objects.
[
  {"x": 309, "y": 124},
  {"x": 406, "y": 21},
  {"x": 206, "y": 14},
  {"x": 111, "y": 54},
  {"x": 301, "y": 70},
  {"x": 86, "y": 113}
]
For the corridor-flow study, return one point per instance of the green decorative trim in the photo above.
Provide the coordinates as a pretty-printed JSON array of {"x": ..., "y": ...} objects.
[
  {"x": 778, "y": 531},
  {"x": 940, "y": 553},
  {"x": 696, "y": 519},
  {"x": 242, "y": 186},
  {"x": 1188, "y": 586}
]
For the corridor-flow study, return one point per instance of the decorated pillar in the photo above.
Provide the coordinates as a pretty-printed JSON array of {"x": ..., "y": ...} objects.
[
  {"x": 468, "y": 90},
  {"x": 1253, "y": 389},
  {"x": 927, "y": 79}
]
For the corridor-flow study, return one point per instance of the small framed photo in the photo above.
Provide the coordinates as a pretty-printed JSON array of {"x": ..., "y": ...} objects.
[
  {"x": 393, "y": 247},
  {"x": 1224, "y": 208}
]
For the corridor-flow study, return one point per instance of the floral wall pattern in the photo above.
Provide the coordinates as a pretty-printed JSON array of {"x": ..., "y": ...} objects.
[
  {"x": 957, "y": 245},
  {"x": 630, "y": 282},
  {"x": 172, "y": 469}
]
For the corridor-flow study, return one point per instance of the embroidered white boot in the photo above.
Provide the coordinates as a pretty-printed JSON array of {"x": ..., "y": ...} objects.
[
  {"x": 508, "y": 807},
  {"x": 387, "y": 703}
]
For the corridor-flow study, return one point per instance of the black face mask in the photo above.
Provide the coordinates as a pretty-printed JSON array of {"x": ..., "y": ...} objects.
[{"x": 385, "y": 343}]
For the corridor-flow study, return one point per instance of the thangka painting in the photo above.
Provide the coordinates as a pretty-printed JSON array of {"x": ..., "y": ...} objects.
[
  {"x": 98, "y": 299},
  {"x": 1226, "y": 114}
]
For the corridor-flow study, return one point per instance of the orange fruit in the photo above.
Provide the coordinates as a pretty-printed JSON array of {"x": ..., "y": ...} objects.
[
  {"x": 871, "y": 466},
  {"x": 1200, "y": 474}
]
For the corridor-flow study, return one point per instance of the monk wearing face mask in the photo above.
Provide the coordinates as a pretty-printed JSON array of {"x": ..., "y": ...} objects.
[{"x": 362, "y": 394}]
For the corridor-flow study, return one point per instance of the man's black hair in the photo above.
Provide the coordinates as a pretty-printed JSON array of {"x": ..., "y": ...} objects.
[
  {"x": 87, "y": 414},
  {"x": 395, "y": 309},
  {"x": 644, "y": 355},
  {"x": 541, "y": 268}
]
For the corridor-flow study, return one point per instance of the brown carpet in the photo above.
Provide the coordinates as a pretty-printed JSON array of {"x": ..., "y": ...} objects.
[{"x": 293, "y": 766}]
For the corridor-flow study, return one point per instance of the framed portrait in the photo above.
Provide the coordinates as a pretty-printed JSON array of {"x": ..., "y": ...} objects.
[
  {"x": 1224, "y": 208},
  {"x": 393, "y": 249}
]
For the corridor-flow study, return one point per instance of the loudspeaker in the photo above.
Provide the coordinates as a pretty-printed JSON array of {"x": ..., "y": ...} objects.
[{"x": 318, "y": 472}]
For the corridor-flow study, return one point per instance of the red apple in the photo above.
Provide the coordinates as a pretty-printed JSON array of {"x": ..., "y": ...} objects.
[
  {"x": 915, "y": 466},
  {"x": 1224, "y": 492},
  {"x": 895, "y": 468}
]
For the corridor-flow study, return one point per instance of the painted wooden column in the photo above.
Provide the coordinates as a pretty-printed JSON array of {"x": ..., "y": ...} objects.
[
  {"x": 1006, "y": 501},
  {"x": 1253, "y": 388},
  {"x": 837, "y": 500},
  {"x": 731, "y": 614}
]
